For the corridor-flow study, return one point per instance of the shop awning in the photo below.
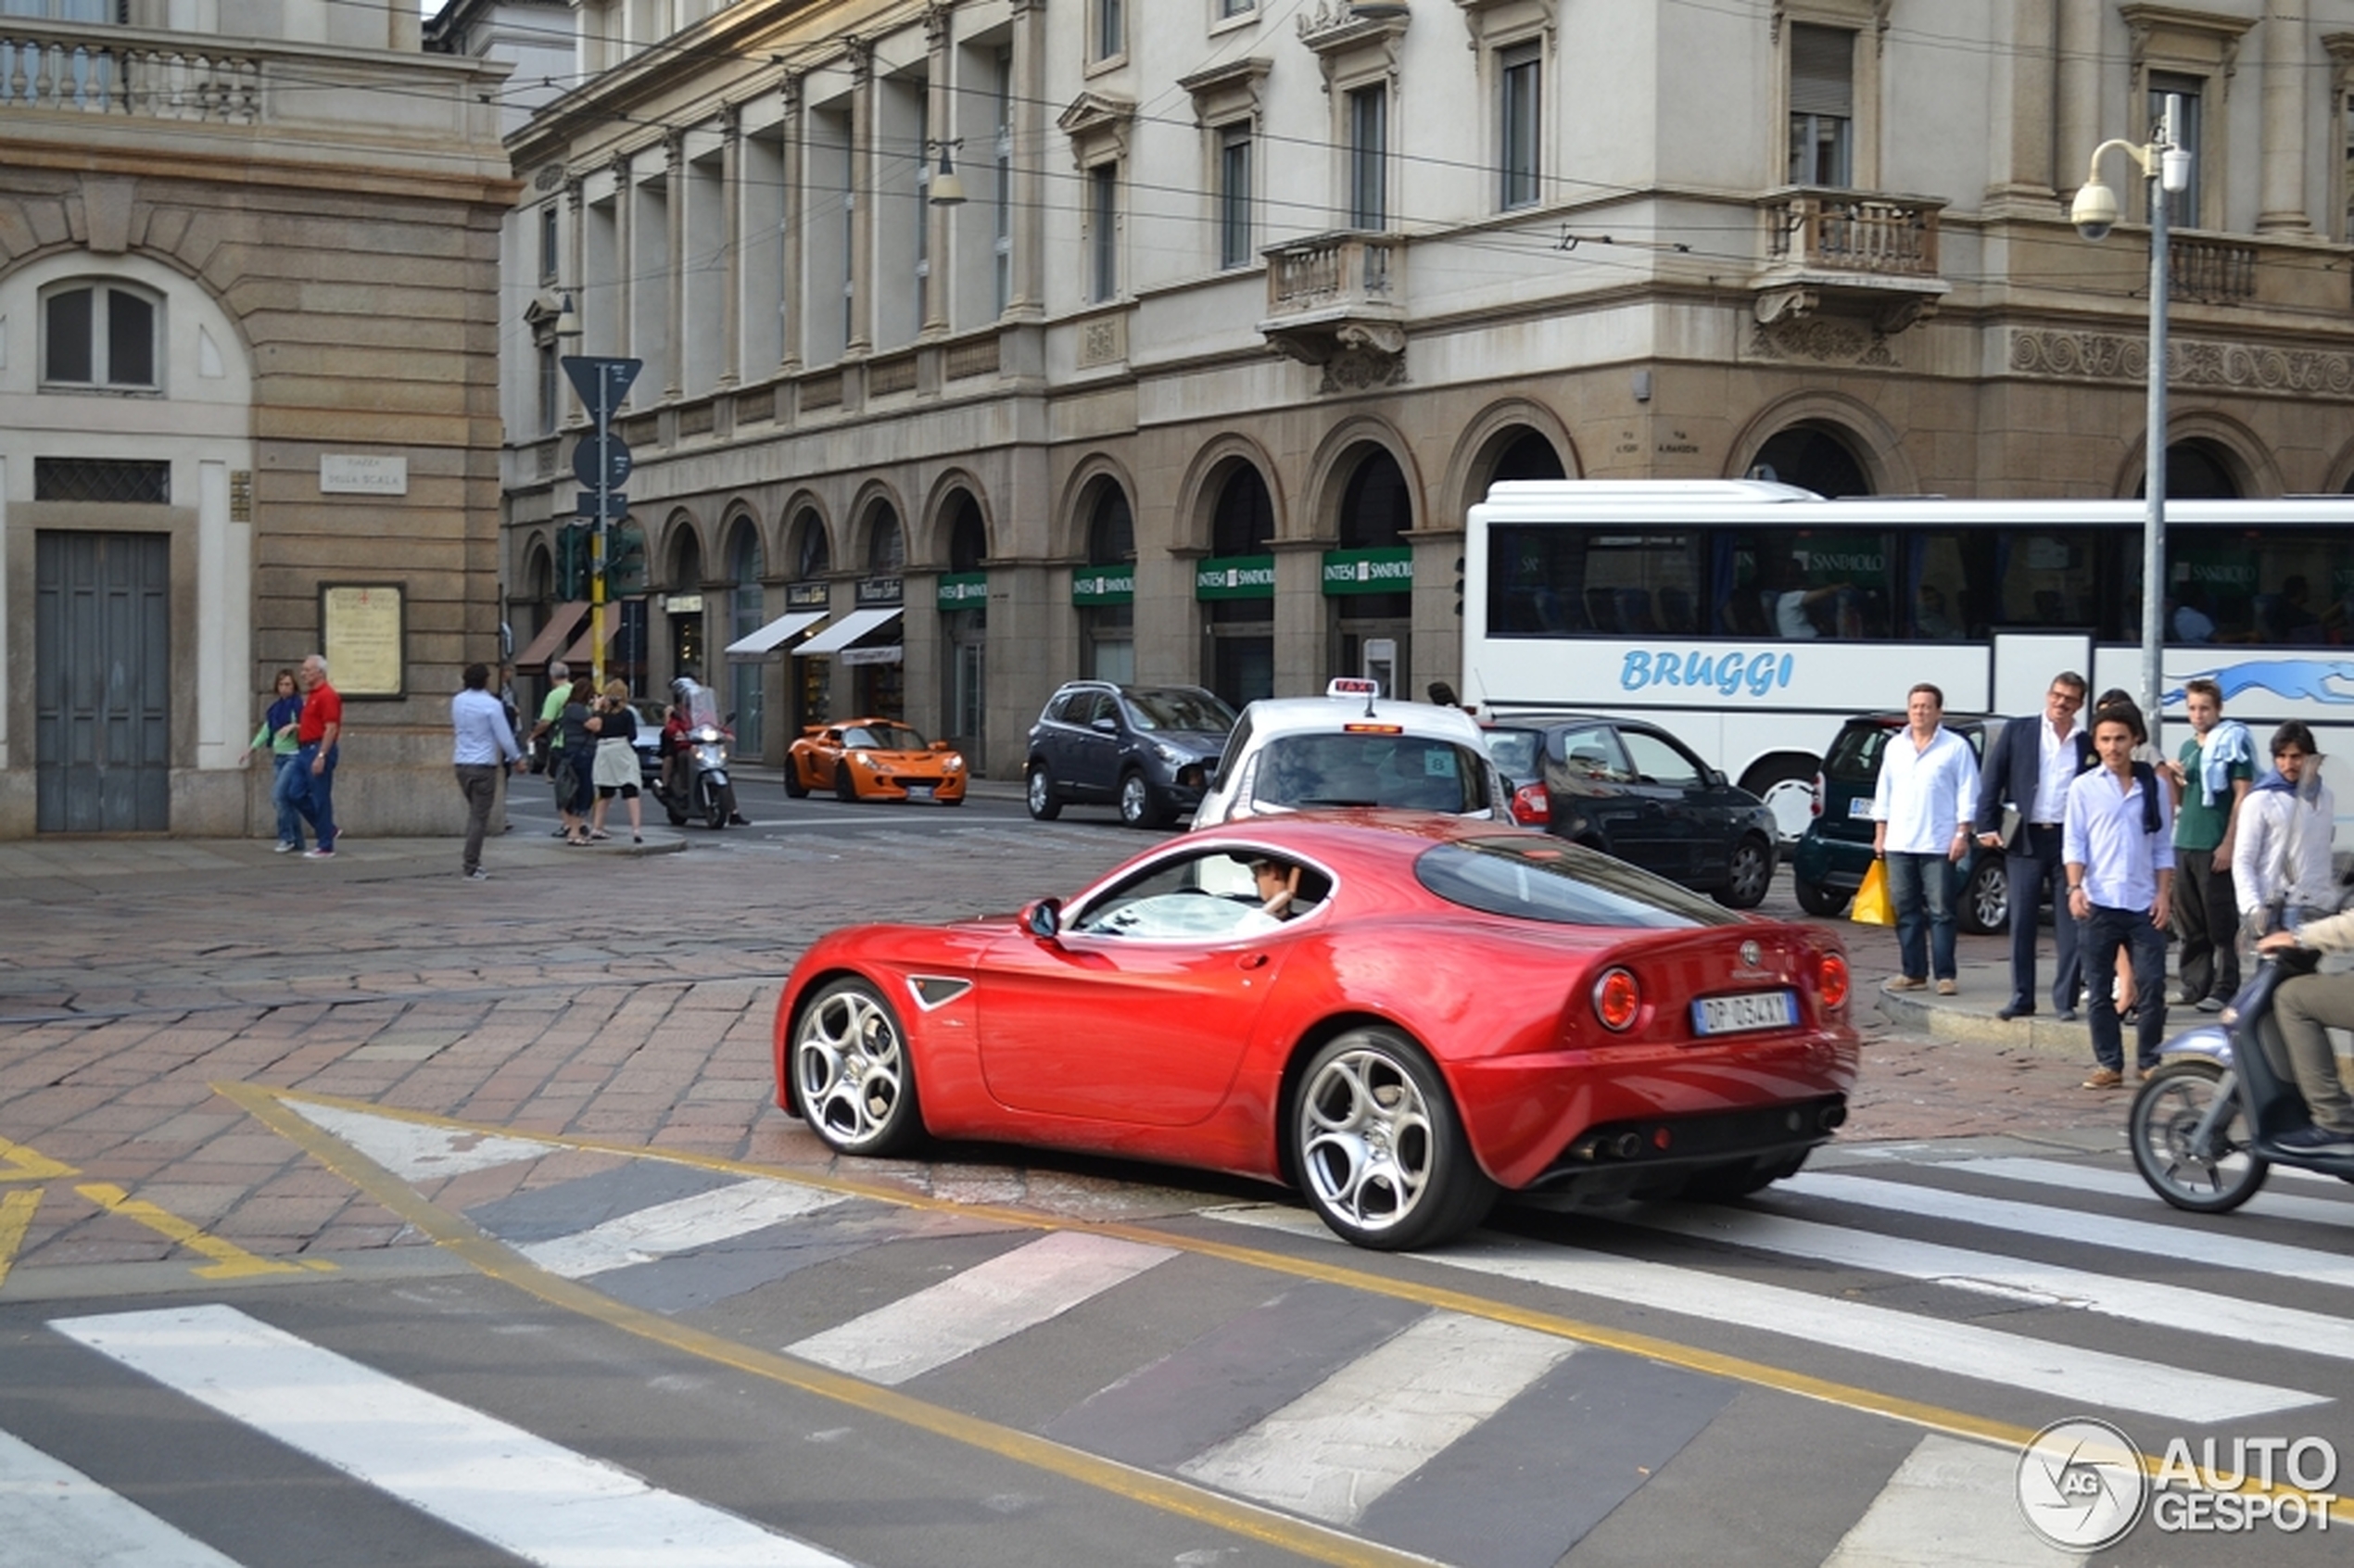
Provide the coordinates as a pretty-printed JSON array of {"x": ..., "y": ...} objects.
[
  {"x": 847, "y": 630},
  {"x": 580, "y": 658},
  {"x": 552, "y": 636},
  {"x": 762, "y": 643}
]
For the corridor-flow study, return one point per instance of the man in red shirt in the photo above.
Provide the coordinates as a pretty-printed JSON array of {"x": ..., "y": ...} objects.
[{"x": 316, "y": 732}]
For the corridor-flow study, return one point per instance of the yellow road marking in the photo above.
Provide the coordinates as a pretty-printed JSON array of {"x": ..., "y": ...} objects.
[
  {"x": 230, "y": 1261},
  {"x": 461, "y": 1236},
  {"x": 18, "y": 1163},
  {"x": 16, "y": 1214},
  {"x": 266, "y": 1105}
]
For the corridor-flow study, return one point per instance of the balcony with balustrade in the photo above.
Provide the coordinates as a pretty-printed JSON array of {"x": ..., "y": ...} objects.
[
  {"x": 1848, "y": 252},
  {"x": 1335, "y": 295}
]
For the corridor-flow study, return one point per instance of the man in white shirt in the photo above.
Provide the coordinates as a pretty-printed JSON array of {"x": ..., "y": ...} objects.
[
  {"x": 2030, "y": 767},
  {"x": 1921, "y": 819},
  {"x": 2281, "y": 868},
  {"x": 484, "y": 740},
  {"x": 2119, "y": 851}
]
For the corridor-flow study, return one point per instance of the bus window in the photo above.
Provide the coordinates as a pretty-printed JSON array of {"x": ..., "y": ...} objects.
[
  {"x": 1549, "y": 580},
  {"x": 2287, "y": 589},
  {"x": 2047, "y": 578},
  {"x": 1805, "y": 584}
]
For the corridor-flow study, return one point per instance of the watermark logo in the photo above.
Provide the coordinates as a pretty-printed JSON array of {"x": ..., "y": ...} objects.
[{"x": 2081, "y": 1484}]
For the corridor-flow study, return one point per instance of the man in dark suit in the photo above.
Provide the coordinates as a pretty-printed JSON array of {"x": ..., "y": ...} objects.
[{"x": 2028, "y": 770}]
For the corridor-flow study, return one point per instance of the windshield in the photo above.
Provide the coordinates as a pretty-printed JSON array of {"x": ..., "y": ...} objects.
[
  {"x": 1170, "y": 709},
  {"x": 885, "y": 737},
  {"x": 1407, "y": 772},
  {"x": 1537, "y": 879},
  {"x": 1854, "y": 756},
  {"x": 1515, "y": 753},
  {"x": 702, "y": 709}
]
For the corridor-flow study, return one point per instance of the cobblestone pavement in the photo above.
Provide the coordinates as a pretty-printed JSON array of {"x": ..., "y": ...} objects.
[{"x": 596, "y": 994}]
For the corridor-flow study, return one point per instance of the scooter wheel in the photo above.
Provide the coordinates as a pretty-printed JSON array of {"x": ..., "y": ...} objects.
[{"x": 2207, "y": 1176}]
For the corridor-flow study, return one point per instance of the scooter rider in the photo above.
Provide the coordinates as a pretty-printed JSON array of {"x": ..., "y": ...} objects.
[{"x": 2307, "y": 1006}]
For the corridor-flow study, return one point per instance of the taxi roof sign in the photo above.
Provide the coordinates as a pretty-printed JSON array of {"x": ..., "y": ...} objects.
[{"x": 1353, "y": 685}]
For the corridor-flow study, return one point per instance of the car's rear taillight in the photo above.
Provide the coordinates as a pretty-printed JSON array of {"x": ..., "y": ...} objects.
[
  {"x": 1532, "y": 807},
  {"x": 1830, "y": 980},
  {"x": 1616, "y": 1000},
  {"x": 1815, "y": 807}
]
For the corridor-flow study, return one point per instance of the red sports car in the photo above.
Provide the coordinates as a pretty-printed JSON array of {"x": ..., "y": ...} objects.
[{"x": 1401, "y": 1016}]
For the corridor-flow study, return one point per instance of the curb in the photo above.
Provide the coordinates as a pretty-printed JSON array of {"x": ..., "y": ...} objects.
[{"x": 1916, "y": 1015}]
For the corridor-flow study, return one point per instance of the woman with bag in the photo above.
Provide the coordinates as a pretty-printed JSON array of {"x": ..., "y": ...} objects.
[
  {"x": 616, "y": 724},
  {"x": 577, "y": 754},
  {"x": 2280, "y": 865}
]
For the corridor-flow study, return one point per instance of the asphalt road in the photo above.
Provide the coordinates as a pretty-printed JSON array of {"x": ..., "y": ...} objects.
[{"x": 320, "y": 1178}]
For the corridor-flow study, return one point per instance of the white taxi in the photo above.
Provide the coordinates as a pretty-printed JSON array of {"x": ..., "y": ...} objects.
[{"x": 1352, "y": 748}]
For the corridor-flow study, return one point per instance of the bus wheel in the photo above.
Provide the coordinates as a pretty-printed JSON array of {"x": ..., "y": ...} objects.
[{"x": 1786, "y": 783}]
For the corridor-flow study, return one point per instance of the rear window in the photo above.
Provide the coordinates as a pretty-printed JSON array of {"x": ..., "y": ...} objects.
[
  {"x": 1515, "y": 753},
  {"x": 1403, "y": 772},
  {"x": 1530, "y": 877},
  {"x": 1854, "y": 756}
]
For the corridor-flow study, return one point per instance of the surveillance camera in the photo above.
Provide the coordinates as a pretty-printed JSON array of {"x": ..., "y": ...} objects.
[{"x": 2094, "y": 211}]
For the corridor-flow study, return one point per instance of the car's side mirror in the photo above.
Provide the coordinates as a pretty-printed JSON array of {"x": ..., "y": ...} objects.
[
  {"x": 1044, "y": 919},
  {"x": 1106, "y": 725},
  {"x": 1715, "y": 777}
]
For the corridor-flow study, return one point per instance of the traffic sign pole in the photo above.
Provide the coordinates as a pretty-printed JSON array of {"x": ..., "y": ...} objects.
[{"x": 601, "y": 382}]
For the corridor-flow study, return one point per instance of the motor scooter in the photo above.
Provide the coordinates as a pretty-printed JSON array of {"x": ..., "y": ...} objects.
[
  {"x": 698, "y": 786},
  {"x": 2205, "y": 1125}
]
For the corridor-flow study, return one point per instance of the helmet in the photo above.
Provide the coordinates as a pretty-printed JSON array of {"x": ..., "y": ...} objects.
[{"x": 682, "y": 688}]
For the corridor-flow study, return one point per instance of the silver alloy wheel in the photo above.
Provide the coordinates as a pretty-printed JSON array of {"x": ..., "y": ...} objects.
[
  {"x": 1367, "y": 1146},
  {"x": 1136, "y": 801},
  {"x": 1039, "y": 793},
  {"x": 850, "y": 1069},
  {"x": 2209, "y": 1177}
]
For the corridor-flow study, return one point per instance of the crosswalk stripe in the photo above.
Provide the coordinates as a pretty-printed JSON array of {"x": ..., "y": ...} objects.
[
  {"x": 2181, "y": 1243},
  {"x": 2051, "y": 1285},
  {"x": 54, "y": 1516},
  {"x": 1333, "y": 1452},
  {"x": 2082, "y": 1377},
  {"x": 1951, "y": 1504},
  {"x": 544, "y": 1503},
  {"x": 2096, "y": 1182},
  {"x": 979, "y": 1306},
  {"x": 681, "y": 1225},
  {"x": 418, "y": 1151}
]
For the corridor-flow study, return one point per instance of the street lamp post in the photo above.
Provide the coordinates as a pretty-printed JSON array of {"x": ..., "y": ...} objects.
[{"x": 2166, "y": 164}]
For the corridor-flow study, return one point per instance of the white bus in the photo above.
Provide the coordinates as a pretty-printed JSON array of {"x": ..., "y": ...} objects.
[{"x": 1751, "y": 618}]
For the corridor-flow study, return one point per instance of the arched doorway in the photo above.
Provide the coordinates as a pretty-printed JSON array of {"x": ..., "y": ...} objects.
[
  {"x": 683, "y": 601},
  {"x": 1238, "y": 640},
  {"x": 879, "y": 677},
  {"x": 1372, "y": 625},
  {"x": 1108, "y": 627},
  {"x": 747, "y": 608},
  {"x": 964, "y": 630},
  {"x": 1813, "y": 457},
  {"x": 811, "y": 558}
]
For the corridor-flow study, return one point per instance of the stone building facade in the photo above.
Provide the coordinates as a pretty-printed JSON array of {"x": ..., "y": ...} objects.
[
  {"x": 1246, "y": 303},
  {"x": 248, "y": 272}
]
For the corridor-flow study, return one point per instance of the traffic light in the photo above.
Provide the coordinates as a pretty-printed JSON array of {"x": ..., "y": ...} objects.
[
  {"x": 1459, "y": 588},
  {"x": 572, "y": 561}
]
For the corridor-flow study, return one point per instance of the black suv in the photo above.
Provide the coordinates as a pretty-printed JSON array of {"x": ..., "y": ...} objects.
[
  {"x": 1146, "y": 748},
  {"x": 1836, "y": 849}
]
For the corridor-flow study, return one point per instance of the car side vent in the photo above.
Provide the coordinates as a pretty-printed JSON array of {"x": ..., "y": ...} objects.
[{"x": 937, "y": 991}]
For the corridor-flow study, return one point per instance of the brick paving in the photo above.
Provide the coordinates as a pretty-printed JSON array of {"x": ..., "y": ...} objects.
[{"x": 608, "y": 996}]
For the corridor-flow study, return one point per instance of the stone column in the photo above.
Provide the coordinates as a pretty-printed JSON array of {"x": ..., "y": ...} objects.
[
  {"x": 731, "y": 207},
  {"x": 2083, "y": 98},
  {"x": 674, "y": 160},
  {"x": 2283, "y": 209},
  {"x": 2029, "y": 169},
  {"x": 862, "y": 216},
  {"x": 796, "y": 213},
  {"x": 940, "y": 116},
  {"x": 1028, "y": 296},
  {"x": 1303, "y": 619},
  {"x": 575, "y": 269}
]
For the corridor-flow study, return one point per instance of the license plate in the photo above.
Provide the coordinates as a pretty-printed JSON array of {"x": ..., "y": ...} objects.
[
  {"x": 1859, "y": 805},
  {"x": 1731, "y": 1015},
  {"x": 919, "y": 791}
]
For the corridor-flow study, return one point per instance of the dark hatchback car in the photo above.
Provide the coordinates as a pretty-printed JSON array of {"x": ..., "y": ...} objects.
[
  {"x": 1145, "y": 749},
  {"x": 1635, "y": 792},
  {"x": 1836, "y": 849}
]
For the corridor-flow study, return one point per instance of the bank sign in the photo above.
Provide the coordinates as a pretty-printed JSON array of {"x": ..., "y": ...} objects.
[
  {"x": 1102, "y": 584},
  {"x": 1235, "y": 577},
  {"x": 1389, "y": 570}
]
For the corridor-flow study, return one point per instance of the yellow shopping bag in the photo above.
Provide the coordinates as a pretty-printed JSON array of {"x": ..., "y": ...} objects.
[{"x": 1872, "y": 908}]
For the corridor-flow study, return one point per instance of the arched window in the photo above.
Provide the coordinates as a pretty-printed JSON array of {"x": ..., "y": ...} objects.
[
  {"x": 968, "y": 536},
  {"x": 813, "y": 556},
  {"x": 886, "y": 543},
  {"x": 101, "y": 336},
  {"x": 1813, "y": 457},
  {"x": 1529, "y": 457},
  {"x": 748, "y": 611},
  {"x": 1109, "y": 631},
  {"x": 1239, "y": 663}
]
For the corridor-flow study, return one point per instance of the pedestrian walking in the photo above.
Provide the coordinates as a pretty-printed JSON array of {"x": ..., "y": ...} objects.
[
  {"x": 2211, "y": 780},
  {"x": 616, "y": 726},
  {"x": 320, "y": 732},
  {"x": 2119, "y": 852},
  {"x": 548, "y": 732},
  {"x": 484, "y": 740},
  {"x": 2028, "y": 770},
  {"x": 2307, "y": 1007},
  {"x": 277, "y": 735},
  {"x": 2281, "y": 870},
  {"x": 576, "y": 785},
  {"x": 1921, "y": 826}
]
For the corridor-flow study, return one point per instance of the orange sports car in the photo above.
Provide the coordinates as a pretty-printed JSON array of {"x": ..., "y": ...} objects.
[{"x": 874, "y": 759}]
